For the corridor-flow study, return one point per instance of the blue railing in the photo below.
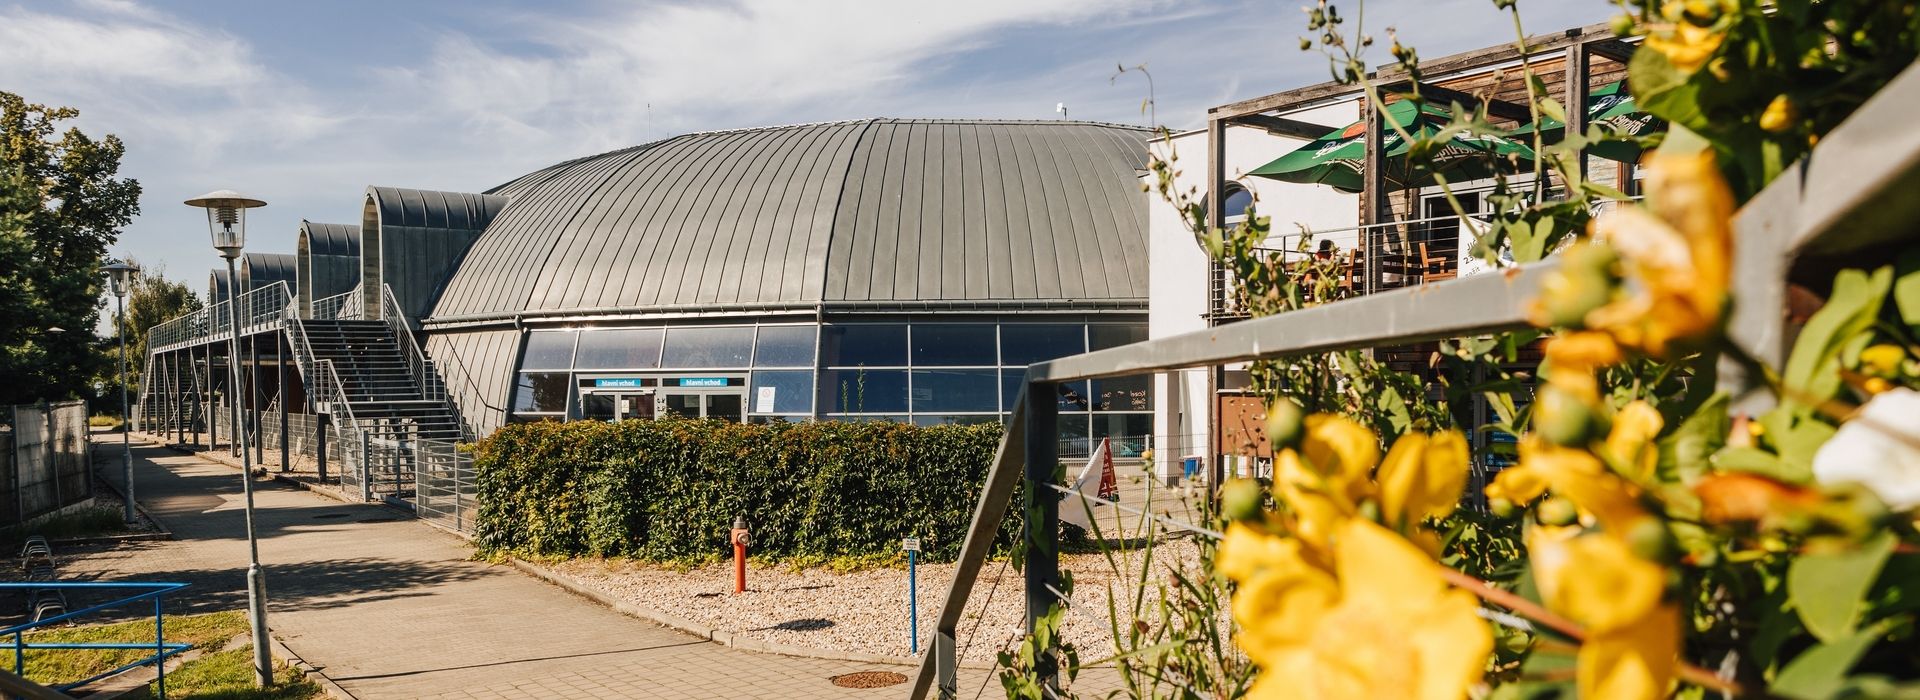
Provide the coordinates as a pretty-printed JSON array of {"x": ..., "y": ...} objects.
[{"x": 155, "y": 592}]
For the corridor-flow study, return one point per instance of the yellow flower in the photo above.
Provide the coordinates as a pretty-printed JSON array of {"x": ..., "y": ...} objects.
[
  {"x": 1518, "y": 484},
  {"x": 1677, "y": 254},
  {"x": 1394, "y": 629},
  {"x": 1580, "y": 477},
  {"x": 1422, "y": 476},
  {"x": 1577, "y": 351},
  {"x": 1344, "y": 452},
  {"x": 1630, "y": 444},
  {"x": 1633, "y": 631},
  {"x": 1686, "y": 45},
  {"x": 1310, "y": 499},
  {"x": 1780, "y": 115},
  {"x": 1883, "y": 359}
]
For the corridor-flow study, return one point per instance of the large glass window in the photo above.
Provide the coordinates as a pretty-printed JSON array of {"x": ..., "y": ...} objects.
[
  {"x": 1023, "y": 344},
  {"x": 781, "y": 391},
  {"x": 863, "y": 391},
  {"x": 955, "y": 390},
  {"x": 954, "y": 345},
  {"x": 724, "y": 346},
  {"x": 541, "y": 392},
  {"x": 1103, "y": 336},
  {"x": 937, "y": 419},
  {"x": 626, "y": 348},
  {"x": 1133, "y": 393},
  {"x": 548, "y": 350},
  {"x": 1072, "y": 395},
  {"x": 784, "y": 346},
  {"x": 1127, "y": 433},
  {"x": 864, "y": 345}
]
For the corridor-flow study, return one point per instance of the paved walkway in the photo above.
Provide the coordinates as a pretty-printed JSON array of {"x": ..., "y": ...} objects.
[{"x": 388, "y": 607}]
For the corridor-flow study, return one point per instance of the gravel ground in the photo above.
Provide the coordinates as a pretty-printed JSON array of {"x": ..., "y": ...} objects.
[{"x": 866, "y": 611}]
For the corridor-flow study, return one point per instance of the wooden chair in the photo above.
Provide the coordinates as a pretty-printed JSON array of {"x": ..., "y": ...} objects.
[{"x": 1435, "y": 268}]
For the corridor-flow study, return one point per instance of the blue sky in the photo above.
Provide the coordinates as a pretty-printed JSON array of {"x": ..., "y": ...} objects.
[{"x": 305, "y": 104}]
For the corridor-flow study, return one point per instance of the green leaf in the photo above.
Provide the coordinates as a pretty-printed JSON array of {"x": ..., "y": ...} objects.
[
  {"x": 1796, "y": 435},
  {"x": 1821, "y": 672},
  {"x": 1827, "y": 588},
  {"x": 1748, "y": 459},
  {"x": 1551, "y": 107},
  {"x": 1664, "y": 91},
  {"x": 1906, "y": 287},
  {"x": 1855, "y": 302},
  {"x": 1687, "y": 452}
]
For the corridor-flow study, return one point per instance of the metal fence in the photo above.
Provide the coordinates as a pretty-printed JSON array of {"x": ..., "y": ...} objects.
[
  {"x": 1849, "y": 199},
  {"x": 44, "y": 456},
  {"x": 443, "y": 486}
]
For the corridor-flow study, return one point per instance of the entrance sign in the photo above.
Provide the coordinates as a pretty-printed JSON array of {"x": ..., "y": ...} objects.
[
  {"x": 618, "y": 382},
  {"x": 703, "y": 381},
  {"x": 763, "y": 399}
]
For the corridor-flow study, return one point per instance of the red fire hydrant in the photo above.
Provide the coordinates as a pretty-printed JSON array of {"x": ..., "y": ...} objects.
[{"x": 740, "y": 541}]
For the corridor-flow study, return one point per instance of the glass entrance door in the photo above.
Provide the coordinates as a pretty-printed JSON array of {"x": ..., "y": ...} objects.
[
  {"x": 724, "y": 405},
  {"x": 616, "y": 406},
  {"x": 633, "y": 406}
]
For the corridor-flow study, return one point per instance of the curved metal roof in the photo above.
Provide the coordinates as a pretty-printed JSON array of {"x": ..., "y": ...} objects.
[
  {"x": 415, "y": 239},
  {"x": 329, "y": 239},
  {"x": 261, "y": 269},
  {"x": 867, "y": 213}
]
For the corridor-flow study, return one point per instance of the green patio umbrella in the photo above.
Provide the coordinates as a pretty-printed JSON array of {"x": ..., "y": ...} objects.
[
  {"x": 1337, "y": 158},
  {"x": 1611, "y": 103}
]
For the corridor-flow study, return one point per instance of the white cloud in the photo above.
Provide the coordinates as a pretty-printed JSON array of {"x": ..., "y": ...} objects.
[{"x": 666, "y": 68}]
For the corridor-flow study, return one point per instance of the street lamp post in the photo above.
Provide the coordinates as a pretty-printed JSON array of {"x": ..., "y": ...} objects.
[
  {"x": 120, "y": 278},
  {"x": 227, "y": 222}
]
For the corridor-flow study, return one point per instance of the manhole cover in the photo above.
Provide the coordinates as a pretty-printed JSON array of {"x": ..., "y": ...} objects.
[
  {"x": 868, "y": 679},
  {"x": 330, "y": 516}
]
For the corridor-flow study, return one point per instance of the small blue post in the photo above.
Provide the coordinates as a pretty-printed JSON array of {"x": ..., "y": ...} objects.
[
  {"x": 160, "y": 644},
  {"x": 913, "y": 600}
]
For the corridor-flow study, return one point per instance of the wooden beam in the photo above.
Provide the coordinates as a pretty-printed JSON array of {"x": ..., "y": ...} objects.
[
  {"x": 1614, "y": 49},
  {"x": 1282, "y": 126},
  {"x": 1442, "y": 96},
  {"x": 1434, "y": 69},
  {"x": 1579, "y": 71}
]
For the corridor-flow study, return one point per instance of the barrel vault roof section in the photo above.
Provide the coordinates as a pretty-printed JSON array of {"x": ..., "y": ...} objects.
[
  {"x": 330, "y": 239},
  {"x": 880, "y": 211}
]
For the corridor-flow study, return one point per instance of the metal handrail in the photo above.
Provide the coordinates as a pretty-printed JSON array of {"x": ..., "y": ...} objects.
[
  {"x": 430, "y": 386},
  {"x": 162, "y": 650},
  {"x": 338, "y": 306}
]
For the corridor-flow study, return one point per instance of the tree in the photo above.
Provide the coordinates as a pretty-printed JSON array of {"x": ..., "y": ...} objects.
[
  {"x": 153, "y": 300},
  {"x": 61, "y": 204}
]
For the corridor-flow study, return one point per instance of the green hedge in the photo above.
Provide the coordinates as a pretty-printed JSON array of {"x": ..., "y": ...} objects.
[{"x": 668, "y": 490}]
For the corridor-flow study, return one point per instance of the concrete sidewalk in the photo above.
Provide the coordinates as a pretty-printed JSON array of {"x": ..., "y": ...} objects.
[{"x": 388, "y": 607}]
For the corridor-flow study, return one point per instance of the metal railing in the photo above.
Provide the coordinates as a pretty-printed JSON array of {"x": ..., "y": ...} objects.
[
  {"x": 161, "y": 648},
  {"x": 1850, "y": 195},
  {"x": 258, "y": 309},
  {"x": 443, "y": 485},
  {"x": 345, "y": 305},
  {"x": 417, "y": 363}
]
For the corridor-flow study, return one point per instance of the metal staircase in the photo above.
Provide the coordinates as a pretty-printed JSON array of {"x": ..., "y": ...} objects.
[{"x": 384, "y": 396}]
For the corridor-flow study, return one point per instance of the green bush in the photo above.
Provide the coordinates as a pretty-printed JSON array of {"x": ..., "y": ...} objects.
[{"x": 669, "y": 490}]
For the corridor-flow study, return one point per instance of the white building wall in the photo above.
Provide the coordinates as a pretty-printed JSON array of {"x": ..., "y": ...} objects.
[{"x": 1177, "y": 277}]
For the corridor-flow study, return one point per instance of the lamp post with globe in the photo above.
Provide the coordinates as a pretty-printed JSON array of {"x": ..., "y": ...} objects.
[{"x": 227, "y": 222}]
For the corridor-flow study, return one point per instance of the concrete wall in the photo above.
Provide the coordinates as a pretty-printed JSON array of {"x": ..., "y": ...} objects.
[{"x": 1177, "y": 283}]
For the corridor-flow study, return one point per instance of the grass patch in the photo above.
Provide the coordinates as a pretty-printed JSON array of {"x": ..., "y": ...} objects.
[
  {"x": 104, "y": 422},
  {"x": 228, "y": 675},
  {"x": 222, "y": 675},
  {"x": 88, "y": 522},
  {"x": 51, "y": 666}
]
